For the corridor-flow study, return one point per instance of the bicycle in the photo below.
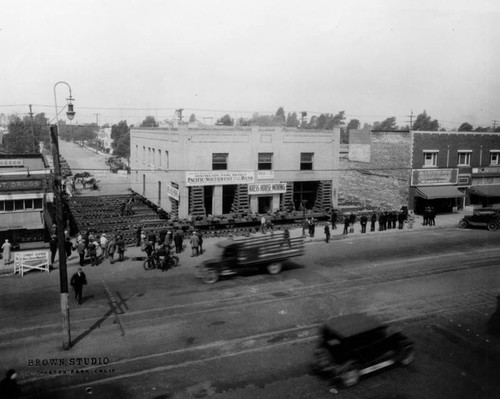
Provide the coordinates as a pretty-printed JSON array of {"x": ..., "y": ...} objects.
[{"x": 155, "y": 262}]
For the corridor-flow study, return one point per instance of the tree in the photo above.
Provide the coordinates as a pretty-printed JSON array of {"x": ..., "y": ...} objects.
[
  {"x": 279, "y": 118},
  {"x": 424, "y": 122},
  {"x": 292, "y": 120},
  {"x": 353, "y": 124},
  {"x": 482, "y": 129},
  {"x": 465, "y": 127},
  {"x": 226, "y": 120},
  {"x": 120, "y": 134},
  {"x": 19, "y": 139},
  {"x": 303, "y": 115},
  {"x": 192, "y": 118},
  {"x": 388, "y": 124},
  {"x": 262, "y": 120},
  {"x": 150, "y": 121}
]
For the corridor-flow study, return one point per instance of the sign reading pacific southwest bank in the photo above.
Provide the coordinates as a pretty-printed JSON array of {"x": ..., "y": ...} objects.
[
  {"x": 219, "y": 177},
  {"x": 267, "y": 188}
]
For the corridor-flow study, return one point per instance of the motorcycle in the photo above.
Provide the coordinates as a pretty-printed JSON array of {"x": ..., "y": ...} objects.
[{"x": 156, "y": 262}]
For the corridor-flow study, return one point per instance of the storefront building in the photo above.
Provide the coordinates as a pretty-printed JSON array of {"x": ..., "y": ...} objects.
[
  {"x": 25, "y": 189},
  {"x": 451, "y": 170},
  {"x": 197, "y": 172}
]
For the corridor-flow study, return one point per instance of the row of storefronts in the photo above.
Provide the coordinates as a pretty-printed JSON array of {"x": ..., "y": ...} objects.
[{"x": 25, "y": 191}]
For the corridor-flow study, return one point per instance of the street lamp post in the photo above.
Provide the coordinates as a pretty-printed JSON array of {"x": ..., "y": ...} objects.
[
  {"x": 303, "y": 204},
  {"x": 63, "y": 272}
]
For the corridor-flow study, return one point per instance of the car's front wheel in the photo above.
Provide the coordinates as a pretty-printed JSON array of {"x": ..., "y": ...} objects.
[
  {"x": 210, "y": 276},
  {"x": 492, "y": 226},
  {"x": 350, "y": 376},
  {"x": 274, "y": 268},
  {"x": 462, "y": 224}
]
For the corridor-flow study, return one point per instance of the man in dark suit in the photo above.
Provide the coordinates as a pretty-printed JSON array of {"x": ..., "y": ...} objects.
[{"x": 77, "y": 282}]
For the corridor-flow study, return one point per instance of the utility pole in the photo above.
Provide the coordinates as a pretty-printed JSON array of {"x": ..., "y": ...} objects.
[
  {"x": 32, "y": 131},
  {"x": 97, "y": 119},
  {"x": 411, "y": 119},
  {"x": 63, "y": 272}
]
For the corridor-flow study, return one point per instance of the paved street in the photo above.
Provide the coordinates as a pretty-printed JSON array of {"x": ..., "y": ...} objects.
[{"x": 253, "y": 335}]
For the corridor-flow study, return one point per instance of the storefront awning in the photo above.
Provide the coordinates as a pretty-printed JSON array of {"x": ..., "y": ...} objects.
[
  {"x": 486, "y": 191},
  {"x": 439, "y": 192}
]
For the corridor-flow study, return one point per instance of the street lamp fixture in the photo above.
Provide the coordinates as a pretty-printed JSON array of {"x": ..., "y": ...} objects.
[{"x": 58, "y": 202}]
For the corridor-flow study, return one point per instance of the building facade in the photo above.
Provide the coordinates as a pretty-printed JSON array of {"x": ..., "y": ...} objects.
[
  {"x": 25, "y": 190},
  {"x": 193, "y": 172},
  {"x": 451, "y": 170}
]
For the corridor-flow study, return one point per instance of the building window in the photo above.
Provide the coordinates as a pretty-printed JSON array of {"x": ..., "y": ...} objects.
[
  {"x": 306, "y": 160},
  {"x": 265, "y": 161},
  {"x": 19, "y": 205},
  {"x": 143, "y": 155},
  {"x": 28, "y": 204},
  {"x": 464, "y": 158},
  {"x": 159, "y": 159},
  {"x": 219, "y": 161},
  {"x": 9, "y": 205},
  {"x": 38, "y": 203},
  {"x": 430, "y": 158},
  {"x": 494, "y": 157}
]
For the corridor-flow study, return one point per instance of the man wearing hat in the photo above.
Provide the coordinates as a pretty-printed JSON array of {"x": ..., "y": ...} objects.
[
  {"x": 77, "y": 282},
  {"x": 104, "y": 245}
]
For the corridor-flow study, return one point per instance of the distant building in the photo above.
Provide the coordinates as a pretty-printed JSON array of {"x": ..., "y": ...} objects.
[
  {"x": 219, "y": 170},
  {"x": 25, "y": 190},
  {"x": 104, "y": 137}
]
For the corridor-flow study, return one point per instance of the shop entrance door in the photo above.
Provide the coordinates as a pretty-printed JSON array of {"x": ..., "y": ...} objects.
[{"x": 265, "y": 204}]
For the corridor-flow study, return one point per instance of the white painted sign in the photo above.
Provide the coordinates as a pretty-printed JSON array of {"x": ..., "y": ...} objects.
[
  {"x": 219, "y": 177},
  {"x": 173, "y": 192},
  {"x": 265, "y": 174},
  {"x": 31, "y": 260},
  {"x": 267, "y": 188}
]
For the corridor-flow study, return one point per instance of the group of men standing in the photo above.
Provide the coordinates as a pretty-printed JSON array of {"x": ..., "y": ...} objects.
[{"x": 169, "y": 239}]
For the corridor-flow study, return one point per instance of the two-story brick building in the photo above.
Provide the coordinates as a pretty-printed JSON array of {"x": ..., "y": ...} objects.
[
  {"x": 445, "y": 170},
  {"x": 216, "y": 171},
  {"x": 25, "y": 189},
  {"x": 453, "y": 169}
]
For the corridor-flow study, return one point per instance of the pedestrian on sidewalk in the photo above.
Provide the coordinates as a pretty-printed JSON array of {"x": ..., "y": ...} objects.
[
  {"x": 194, "y": 240},
  {"x": 53, "y": 249},
  {"x": 138, "y": 236},
  {"x": 68, "y": 246},
  {"x": 178, "y": 240},
  {"x": 200, "y": 242},
  {"x": 81, "y": 251},
  {"x": 9, "y": 388},
  {"x": 411, "y": 219},
  {"x": 346, "y": 225},
  {"x": 120, "y": 245},
  {"x": 401, "y": 220},
  {"x": 364, "y": 222},
  {"x": 77, "y": 282},
  {"x": 373, "y": 221},
  {"x": 111, "y": 249},
  {"x": 432, "y": 216},
  {"x": 327, "y": 232},
  {"x": 92, "y": 249},
  {"x": 104, "y": 245},
  {"x": 286, "y": 237},
  {"x": 6, "y": 251},
  {"x": 334, "y": 220},
  {"x": 352, "y": 220}
]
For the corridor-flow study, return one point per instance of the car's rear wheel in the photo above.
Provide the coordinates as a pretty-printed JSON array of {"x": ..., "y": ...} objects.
[
  {"x": 274, "y": 268},
  {"x": 462, "y": 224},
  {"x": 406, "y": 356},
  {"x": 350, "y": 376},
  {"x": 211, "y": 276},
  {"x": 492, "y": 226}
]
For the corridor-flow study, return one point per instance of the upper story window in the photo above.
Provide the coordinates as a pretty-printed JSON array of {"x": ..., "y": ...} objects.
[
  {"x": 306, "y": 160},
  {"x": 495, "y": 157},
  {"x": 219, "y": 161},
  {"x": 464, "y": 157},
  {"x": 265, "y": 161},
  {"x": 430, "y": 158}
]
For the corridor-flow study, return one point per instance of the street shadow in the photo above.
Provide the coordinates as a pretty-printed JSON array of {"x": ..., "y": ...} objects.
[{"x": 112, "y": 311}]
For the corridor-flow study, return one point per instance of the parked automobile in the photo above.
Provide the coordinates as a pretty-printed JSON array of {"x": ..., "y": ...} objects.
[
  {"x": 354, "y": 345},
  {"x": 483, "y": 217}
]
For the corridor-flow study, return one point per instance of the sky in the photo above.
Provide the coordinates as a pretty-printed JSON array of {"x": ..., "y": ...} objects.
[{"x": 373, "y": 59}]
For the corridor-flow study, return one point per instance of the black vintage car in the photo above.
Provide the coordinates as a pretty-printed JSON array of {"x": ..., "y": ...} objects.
[
  {"x": 356, "y": 344},
  {"x": 483, "y": 217}
]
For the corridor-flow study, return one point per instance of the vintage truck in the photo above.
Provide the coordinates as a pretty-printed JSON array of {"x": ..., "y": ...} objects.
[{"x": 266, "y": 252}]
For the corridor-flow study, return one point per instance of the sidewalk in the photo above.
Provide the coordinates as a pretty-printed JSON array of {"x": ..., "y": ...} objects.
[{"x": 442, "y": 221}]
